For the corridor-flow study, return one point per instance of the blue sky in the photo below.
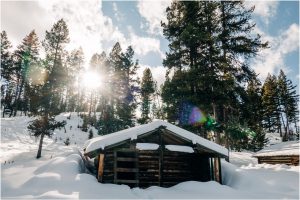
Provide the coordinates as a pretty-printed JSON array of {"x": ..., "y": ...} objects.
[{"x": 97, "y": 25}]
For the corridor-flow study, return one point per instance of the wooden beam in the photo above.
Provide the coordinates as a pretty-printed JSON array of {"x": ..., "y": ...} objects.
[
  {"x": 211, "y": 169},
  {"x": 126, "y": 159},
  {"x": 115, "y": 166},
  {"x": 132, "y": 145},
  {"x": 137, "y": 167},
  {"x": 161, "y": 156},
  {"x": 100, "y": 167},
  {"x": 127, "y": 181},
  {"x": 216, "y": 169},
  {"x": 220, "y": 171},
  {"x": 126, "y": 169}
]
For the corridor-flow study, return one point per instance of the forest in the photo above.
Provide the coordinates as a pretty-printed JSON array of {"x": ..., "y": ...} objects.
[{"x": 210, "y": 87}]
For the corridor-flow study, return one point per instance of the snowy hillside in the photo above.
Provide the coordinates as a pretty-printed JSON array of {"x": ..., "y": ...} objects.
[{"x": 59, "y": 173}]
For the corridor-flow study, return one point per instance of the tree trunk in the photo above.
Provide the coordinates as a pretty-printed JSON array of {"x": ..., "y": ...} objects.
[
  {"x": 19, "y": 96},
  {"x": 218, "y": 136},
  {"x": 16, "y": 94},
  {"x": 284, "y": 127},
  {"x": 39, "y": 153}
]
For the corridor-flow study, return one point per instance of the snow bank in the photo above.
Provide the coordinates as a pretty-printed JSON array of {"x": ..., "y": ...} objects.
[
  {"x": 262, "y": 181},
  {"x": 61, "y": 178},
  {"x": 242, "y": 158},
  {"x": 132, "y": 133},
  {"x": 16, "y": 139},
  {"x": 281, "y": 149},
  {"x": 58, "y": 178}
]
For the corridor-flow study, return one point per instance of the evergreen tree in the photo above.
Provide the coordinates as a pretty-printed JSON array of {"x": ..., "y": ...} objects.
[
  {"x": 128, "y": 88},
  {"x": 6, "y": 72},
  {"x": 26, "y": 55},
  {"x": 270, "y": 102},
  {"x": 288, "y": 99},
  {"x": 147, "y": 89},
  {"x": 49, "y": 93},
  {"x": 207, "y": 41},
  {"x": 75, "y": 61},
  {"x": 43, "y": 126},
  {"x": 108, "y": 121},
  {"x": 157, "y": 105},
  {"x": 252, "y": 114},
  {"x": 6, "y": 59},
  {"x": 237, "y": 41},
  {"x": 91, "y": 134}
]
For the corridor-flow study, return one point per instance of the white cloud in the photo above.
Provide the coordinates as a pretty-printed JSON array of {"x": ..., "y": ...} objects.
[
  {"x": 88, "y": 26},
  {"x": 272, "y": 60},
  {"x": 19, "y": 18},
  {"x": 264, "y": 9},
  {"x": 153, "y": 12},
  {"x": 144, "y": 45}
]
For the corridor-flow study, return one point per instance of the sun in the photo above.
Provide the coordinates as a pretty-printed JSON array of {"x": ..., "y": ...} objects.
[{"x": 91, "y": 80}]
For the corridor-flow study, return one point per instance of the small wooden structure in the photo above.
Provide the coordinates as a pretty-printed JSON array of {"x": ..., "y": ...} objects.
[
  {"x": 281, "y": 153},
  {"x": 157, "y": 153}
]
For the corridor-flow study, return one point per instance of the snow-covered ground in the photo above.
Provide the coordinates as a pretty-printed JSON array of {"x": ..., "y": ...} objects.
[{"x": 60, "y": 172}]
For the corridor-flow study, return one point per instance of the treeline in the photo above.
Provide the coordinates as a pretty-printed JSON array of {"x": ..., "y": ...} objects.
[
  {"x": 46, "y": 86},
  {"x": 210, "y": 47}
]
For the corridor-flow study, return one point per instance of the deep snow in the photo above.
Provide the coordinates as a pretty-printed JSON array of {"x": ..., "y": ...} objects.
[{"x": 59, "y": 173}]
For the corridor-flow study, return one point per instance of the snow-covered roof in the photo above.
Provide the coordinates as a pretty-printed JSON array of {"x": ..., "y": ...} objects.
[
  {"x": 134, "y": 132},
  {"x": 280, "y": 149}
]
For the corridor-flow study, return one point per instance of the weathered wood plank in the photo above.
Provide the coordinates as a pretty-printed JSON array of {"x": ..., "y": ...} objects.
[
  {"x": 126, "y": 181},
  {"x": 100, "y": 167},
  {"x": 126, "y": 159},
  {"x": 126, "y": 169},
  {"x": 115, "y": 166}
]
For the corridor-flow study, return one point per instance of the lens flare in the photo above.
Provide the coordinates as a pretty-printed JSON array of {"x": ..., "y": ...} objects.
[
  {"x": 191, "y": 115},
  {"x": 36, "y": 75},
  {"x": 197, "y": 117}
]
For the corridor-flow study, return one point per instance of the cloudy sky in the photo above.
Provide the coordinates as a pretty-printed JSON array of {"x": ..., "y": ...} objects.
[{"x": 96, "y": 25}]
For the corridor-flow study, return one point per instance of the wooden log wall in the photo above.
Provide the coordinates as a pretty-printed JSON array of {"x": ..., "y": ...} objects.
[
  {"x": 148, "y": 162},
  {"x": 108, "y": 169},
  {"x": 288, "y": 160},
  {"x": 177, "y": 167},
  {"x": 147, "y": 168}
]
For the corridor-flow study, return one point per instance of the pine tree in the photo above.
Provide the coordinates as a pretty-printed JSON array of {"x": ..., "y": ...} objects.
[
  {"x": 237, "y": 41},
  {"x": 270, "y": 102},
  {"x": 174, "y": 92},
  {"x": 43, "y": 126},
  {"x": 6, "y": 59},
  {"x": 147, "y": 89},
  {"x": 288, "y": 99},
  {"x": 6, "y": 72},
  {"x": 207, "y": 41},
  {"x": 252, "y": 114},
  {"x": 128, "y": 87},
  {"x": 50, "y": 91},
  {"x": 75, "y": 61},
  {"x": 26, "y": 55},
  {"x": 91, "y": 134},
  {"x": 108, "y": 121}
]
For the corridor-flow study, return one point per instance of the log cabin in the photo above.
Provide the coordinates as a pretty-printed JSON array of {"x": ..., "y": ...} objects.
[
  {"x": 154, "y": 154},
  {"x": 281, "y": 153}
]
